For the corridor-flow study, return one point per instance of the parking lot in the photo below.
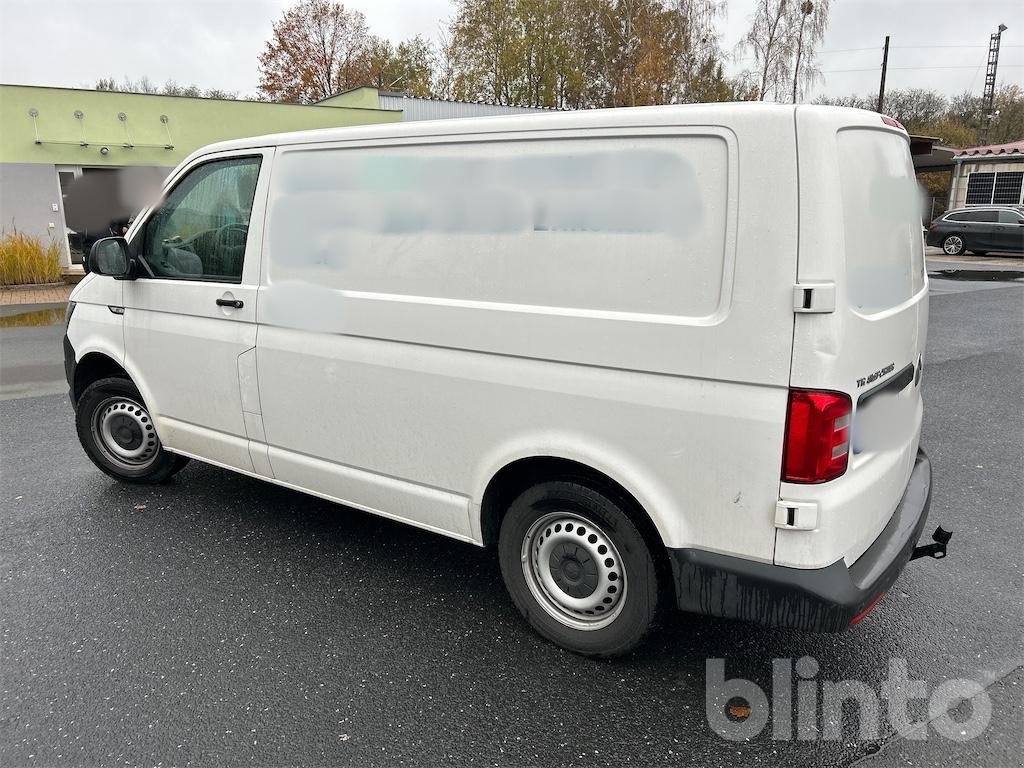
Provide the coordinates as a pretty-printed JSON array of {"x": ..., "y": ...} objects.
[{"x": 220, "y": 619}]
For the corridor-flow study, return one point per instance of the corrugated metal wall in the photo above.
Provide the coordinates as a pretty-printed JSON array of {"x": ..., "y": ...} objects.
[{"x": 436, "y": 109}]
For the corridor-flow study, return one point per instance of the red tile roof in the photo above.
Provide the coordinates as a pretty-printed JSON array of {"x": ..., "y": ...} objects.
[{"x": 1013, "y": 148}]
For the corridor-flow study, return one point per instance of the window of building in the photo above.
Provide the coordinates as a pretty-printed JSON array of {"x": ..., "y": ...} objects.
[{"x": 995, "y": 188}]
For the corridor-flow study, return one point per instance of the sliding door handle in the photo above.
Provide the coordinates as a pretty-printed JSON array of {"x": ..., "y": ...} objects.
[{"x": 236, "y": 303}]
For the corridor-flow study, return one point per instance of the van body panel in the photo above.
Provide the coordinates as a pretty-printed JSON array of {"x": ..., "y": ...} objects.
[
  {"x": 182, "y": 348},
  {"x": 859, "y": 229},
  {"x": 94, "y": 327},
  {"x": 306, "y": 291},
  {"x": 396, "y": 350},
  {"x": 447, "y": 419}
]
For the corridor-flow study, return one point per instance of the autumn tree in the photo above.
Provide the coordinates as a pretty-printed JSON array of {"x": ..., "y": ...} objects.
[
  {"x": 558, "y": 53},
  {"x": 317, "y": 49},
  {"x": 587, "y": 53},
  {"x": 408, "y": 66}
]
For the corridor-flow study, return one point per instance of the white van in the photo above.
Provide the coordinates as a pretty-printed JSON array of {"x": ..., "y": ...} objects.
[{"x": 666, "y": 355}]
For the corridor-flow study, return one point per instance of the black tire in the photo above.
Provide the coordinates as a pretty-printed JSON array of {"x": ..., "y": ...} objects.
[
  {"x": 950, "y": 249},
  {"x": 117, "y": 401},
  {"x": 536, "y": 514}
]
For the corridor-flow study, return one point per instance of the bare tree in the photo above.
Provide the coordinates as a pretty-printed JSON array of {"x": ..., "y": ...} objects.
[
  {"x": 700, "y": 51},
  {"x": 770, "y": 40},
  {"x": 811, "y": 23},
  {"x": 445, "y": 66},
  {"x": 170, "y": 88}
]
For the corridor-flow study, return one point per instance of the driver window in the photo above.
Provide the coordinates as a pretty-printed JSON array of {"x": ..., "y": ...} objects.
[{"x": 199, "y": 231}]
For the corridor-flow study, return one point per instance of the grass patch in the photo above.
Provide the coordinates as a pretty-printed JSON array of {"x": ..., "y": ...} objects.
[{"x": 25, "y": 260}]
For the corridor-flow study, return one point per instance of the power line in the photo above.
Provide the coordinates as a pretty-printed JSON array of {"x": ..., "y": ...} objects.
[
  {"x": 892, "y": 48},
  {"x": 876, "y": 69}
]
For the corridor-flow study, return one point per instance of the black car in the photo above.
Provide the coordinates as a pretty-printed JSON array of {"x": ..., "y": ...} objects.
[{"x": 978, "y": 229}]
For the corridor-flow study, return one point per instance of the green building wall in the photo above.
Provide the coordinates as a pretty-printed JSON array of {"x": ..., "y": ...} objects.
[
  {"x": 46, "y": 129},
  {"x": 190, "y": 124}
]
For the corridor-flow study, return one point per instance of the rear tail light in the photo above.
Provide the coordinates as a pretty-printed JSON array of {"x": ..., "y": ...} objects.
[
  {"x": 892, "y": 123},
  {"x": 817, "y": 445}
]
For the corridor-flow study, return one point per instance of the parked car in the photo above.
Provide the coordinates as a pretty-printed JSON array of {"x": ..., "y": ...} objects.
[
  {"x": 644, "y": 352},
  {"x": 979, "y": 229}
]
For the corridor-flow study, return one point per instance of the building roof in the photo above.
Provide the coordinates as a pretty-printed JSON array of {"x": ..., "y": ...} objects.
[
  {"x": 407, "y": 95},
  {"x": 1012, "y": 148}
]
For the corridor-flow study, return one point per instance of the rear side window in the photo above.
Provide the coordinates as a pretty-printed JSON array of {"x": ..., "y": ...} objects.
[
  {"x": 882, "y": 212},
  {"x": 628, "y": 225}
]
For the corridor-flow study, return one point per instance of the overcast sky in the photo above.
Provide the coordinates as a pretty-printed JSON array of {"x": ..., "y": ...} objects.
[{"x": 215, "y": 43}]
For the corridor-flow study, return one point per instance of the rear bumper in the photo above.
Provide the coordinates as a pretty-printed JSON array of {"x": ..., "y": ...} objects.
[
  {"x": 934, "y": 238},
  {"x": 819, "y": 599}
]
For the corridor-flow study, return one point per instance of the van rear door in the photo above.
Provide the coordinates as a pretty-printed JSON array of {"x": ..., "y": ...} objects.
[{"x": 861, "y": 237}]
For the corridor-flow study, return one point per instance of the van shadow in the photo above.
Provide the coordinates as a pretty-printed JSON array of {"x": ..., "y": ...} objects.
[{"x": 271, "y": 537}]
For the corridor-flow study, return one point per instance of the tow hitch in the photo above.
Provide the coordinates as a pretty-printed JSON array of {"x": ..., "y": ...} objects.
[{"x": 937, "y": 549}]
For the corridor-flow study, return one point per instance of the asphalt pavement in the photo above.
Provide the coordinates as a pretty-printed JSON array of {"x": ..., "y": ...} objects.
[{"x": 221, "y": 620}]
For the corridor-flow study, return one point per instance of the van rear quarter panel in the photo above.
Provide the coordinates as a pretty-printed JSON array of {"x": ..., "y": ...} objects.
[
  {"x": 446, "y": 358},
  {"x": 849, "y": 176}
]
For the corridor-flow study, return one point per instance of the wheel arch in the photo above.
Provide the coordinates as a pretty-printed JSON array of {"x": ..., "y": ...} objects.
[
  {"x": 92, "y": 367},
  {"x": 521, "y": 472}
]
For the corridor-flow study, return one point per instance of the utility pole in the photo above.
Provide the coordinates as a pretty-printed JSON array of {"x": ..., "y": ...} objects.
[
  {"x": 885, "y": 65},
  {"x": 989, "y": 94}
]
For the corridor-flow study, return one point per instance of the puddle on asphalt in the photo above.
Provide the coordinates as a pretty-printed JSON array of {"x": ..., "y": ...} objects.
[{"x": 37, "y": 317}]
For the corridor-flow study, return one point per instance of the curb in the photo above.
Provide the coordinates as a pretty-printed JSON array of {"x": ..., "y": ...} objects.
[
  {"x": 46, "y": 293},
  {"x": 33, "y": 286}
]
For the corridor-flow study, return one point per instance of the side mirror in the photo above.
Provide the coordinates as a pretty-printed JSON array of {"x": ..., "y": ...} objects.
[{"x": 110, "y": 257}]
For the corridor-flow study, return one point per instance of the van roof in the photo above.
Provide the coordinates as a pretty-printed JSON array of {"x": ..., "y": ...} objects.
[{"x": 675, "y": 114}]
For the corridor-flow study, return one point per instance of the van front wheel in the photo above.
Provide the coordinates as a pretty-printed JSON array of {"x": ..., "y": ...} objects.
[
  {"x": 118, "y": 434},
  {"x": 578, "y": 569}
]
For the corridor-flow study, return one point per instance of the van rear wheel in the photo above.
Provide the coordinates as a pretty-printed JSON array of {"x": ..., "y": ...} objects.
[
  {"x": 118, "y": 434},
  {"x": 579, "y": 569}
]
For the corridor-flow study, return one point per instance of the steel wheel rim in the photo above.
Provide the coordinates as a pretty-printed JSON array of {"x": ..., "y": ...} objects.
[
  {"x": 953, "y": 245},
  {"x": 574, "y": 571},
  {"x": 124, "y": 432}
]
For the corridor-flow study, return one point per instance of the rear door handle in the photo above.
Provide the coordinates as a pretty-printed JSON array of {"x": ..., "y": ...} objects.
[{"x": 236, "y": 303}]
